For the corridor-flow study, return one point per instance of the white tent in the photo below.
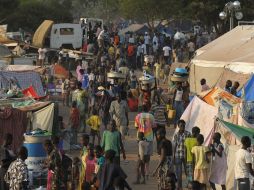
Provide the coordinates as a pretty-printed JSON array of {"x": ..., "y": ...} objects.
[{"x": 234, "y": 51}]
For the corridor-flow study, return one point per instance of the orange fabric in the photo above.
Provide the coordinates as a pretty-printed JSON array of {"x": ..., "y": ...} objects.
[
  {"x": 216, "y": 93},
  {"x": 116, "y": 40},
  {"x": 208, "y": 98},
  {"x": 60, "y": 71}
]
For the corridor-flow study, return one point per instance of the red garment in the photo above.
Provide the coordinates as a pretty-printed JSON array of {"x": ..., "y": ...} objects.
[
  {"x": 130, "y": 50},
  {"x": 84, "y": 49},
  {"x": 147, "y": 99},
  {"x": 90, "y": 168},
  {"x": 133, "y": 104},
  {"x": 74, "y": 116},
  {"x": 49, "y": 179},
  {"x": 13, "y": 121},
  {"x": 116, "y": 40}
]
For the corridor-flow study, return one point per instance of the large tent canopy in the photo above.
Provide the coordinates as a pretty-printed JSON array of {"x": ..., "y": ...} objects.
[{"x": 234, "y": 51}]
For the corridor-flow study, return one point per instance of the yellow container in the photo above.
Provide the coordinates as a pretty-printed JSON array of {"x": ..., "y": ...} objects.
[{"x": 171, "y": 114}]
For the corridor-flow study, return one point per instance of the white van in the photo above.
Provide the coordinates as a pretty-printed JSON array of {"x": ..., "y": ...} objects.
[{"x": 66, "y": 35}]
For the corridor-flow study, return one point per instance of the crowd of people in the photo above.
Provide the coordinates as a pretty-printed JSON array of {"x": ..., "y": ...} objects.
[{"x": 101, "y": 104}]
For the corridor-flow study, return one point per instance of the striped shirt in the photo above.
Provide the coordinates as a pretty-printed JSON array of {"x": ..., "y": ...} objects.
[
  {"x": 158, "y": 112},
  {"x": 144, "y": 122}
]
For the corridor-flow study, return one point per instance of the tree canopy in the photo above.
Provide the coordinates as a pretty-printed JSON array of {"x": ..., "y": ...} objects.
[
  {"x": 148, "y": 10},
  {"x": 28, "y": 14}
]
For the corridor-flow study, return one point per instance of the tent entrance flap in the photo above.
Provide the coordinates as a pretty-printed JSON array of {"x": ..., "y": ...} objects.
[{"x": 41, "y": 33}]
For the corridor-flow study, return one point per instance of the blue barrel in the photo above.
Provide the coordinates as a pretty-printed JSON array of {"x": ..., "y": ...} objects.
[{"x": 36, "y": 152}]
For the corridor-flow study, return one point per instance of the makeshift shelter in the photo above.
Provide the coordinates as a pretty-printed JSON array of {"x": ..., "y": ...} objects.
[
  {"x": 135, "y": 28},
  {"x": 205, "y": 116},
  {"x": 232, "y": 51},
  {"x": 19, "y": 115},
  {"x": 231, "y": 108},
  {"x": 231, "y": 138},
  {"x": 13, "y": 121},
  {"x": 24, "y": 80}
]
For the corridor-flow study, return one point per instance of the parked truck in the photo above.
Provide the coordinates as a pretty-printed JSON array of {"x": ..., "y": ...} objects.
[{"x": 66, "y": 35}]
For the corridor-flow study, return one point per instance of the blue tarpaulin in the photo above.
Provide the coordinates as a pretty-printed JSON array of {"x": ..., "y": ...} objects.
[
  {"x": 247, "y": 92},
  {"x": 23, "y": 79}
]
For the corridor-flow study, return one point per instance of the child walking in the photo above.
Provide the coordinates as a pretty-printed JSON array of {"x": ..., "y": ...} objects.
[
  {"x": 142, "y": 158},
  {"x": 200, "y": 159},
  {"x": 90, "y": 164},
  {"x": 94, "y": 122}
]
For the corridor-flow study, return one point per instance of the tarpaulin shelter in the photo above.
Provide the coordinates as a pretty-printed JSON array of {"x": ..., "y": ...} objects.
[
  {"x": 25, "y": 79},
  {"x": 214, "y": 97},
  {"x": 200, "y": 114},
  {"x": 135, "y": 28},
  {"x": 18, "y": 115},
  {"x": 205, "y": 116},
  {"x": 232, "y": 51},
  {"x": 239, "y": 131},
  {"x": 231, "y": 108},
  {"x": 231, "y": 138}
]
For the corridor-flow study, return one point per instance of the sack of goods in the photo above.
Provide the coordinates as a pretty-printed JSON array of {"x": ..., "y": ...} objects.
[{"x": 179, "y": 75}]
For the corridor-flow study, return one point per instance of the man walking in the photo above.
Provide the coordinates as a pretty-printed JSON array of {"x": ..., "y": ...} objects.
[
  {"x": 179, "y": 150},
  {"x": 119, "y": 112},
  {"x": 160, "y": 117},
  {"x": 111, "y": 140}
]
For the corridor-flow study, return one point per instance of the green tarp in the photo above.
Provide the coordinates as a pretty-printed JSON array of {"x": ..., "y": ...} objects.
[{"x": 239, "y": 131}]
